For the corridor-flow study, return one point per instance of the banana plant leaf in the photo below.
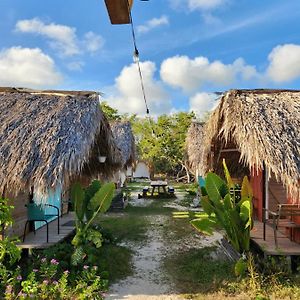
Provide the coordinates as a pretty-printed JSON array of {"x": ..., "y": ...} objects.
[
  {"x": 205, "y": 225},
  {"x": 78, "y": 197},
  {"x": 102, "y": 199}
]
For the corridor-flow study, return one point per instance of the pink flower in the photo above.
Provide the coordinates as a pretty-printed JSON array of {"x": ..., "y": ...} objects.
[
  {"x": 55, "y": 282},
  {"x": 67, "y": 272},
  {"x": 53, "y": 261},
  {"x": 8, "y": 289},
  {"x": 45, "y": 281},
  {"x": 35, "y": 270},
  {"x": 85, "y": 267},
  {"x": 95, "y": 267},
  {"x": 19, "y": 277},
  {"x": 43, "y": 260}
]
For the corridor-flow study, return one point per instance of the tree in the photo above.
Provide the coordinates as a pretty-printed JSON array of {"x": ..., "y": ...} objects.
[
  {"x": 162, "y": 141},
  {"x": 111, "y": 114}
]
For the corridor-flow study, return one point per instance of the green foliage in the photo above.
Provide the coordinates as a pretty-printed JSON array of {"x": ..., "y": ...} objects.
[
  {"x": 89, "y": 204},
  {"x": 223, "y": 211},
  {"x": 9, "y": 252},
  {"x": 110, "y": 113},
  {"x": 162, "y": 141},
  {"x": 50, "y": 281},
  {"x": 240, "y": 267}
]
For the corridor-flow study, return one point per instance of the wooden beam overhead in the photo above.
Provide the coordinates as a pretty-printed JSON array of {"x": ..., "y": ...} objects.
[{"x": 118, "y": 11}]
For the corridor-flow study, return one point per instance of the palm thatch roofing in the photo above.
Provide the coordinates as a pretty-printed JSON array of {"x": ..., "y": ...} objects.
[
  {"x": 49, "y": 138},
  {"x": 264, "y": 125},
  {"x": 124, "y": 139},
  {"x": 194, "y": 142}
]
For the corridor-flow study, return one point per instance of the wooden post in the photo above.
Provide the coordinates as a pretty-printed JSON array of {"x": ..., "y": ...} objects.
[{"x": 265, "y": 196}]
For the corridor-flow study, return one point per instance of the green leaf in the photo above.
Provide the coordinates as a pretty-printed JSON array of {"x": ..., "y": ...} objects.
[
  {"x": 216, "y": 188},
  {"x": 203, "y": 191},
  {"x": 78, "y": 197},
  {"x": 206, "y": 205},
  {"x": 245, "y": 212},
  {"x": 205, "y": 225},
  {"x": 78, "y": 256},
  {"x": 246, "y": 189},
  {"x": 228, "y": 202},
  {"x": 240, "y": 267},
  {"x": 103, "y": 198},
  {"x": 92, "y": 189},
  {"x": 227, "y": 175},
  {"x": 95, "y": 237}
]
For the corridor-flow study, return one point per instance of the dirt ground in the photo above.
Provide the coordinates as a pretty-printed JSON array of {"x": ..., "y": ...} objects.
[{"x": 149, "y": 280}]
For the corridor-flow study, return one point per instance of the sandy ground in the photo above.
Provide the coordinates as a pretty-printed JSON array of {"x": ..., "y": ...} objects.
[{"x": 149, "y": 281}]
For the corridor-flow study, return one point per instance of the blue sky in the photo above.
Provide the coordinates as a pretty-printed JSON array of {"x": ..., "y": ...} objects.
[{"x": 188, "y": 49}]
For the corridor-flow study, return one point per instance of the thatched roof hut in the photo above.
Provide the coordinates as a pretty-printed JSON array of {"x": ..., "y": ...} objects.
[
  {"x": 264, "y": 126},
  {"x": 194, "y": 142},
  {"x": 50, "y": 138},
  {"x": 124, "y": 139}
]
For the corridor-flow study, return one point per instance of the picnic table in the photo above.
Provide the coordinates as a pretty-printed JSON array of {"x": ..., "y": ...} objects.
[{"x": 158, "y": 185}]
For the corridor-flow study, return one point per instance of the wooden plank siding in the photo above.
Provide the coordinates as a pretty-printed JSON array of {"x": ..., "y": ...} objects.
[
  {"x": 257, "y": 186},
  {"x": 277, "y": 193},
  {"x": 19, "y": 213}
]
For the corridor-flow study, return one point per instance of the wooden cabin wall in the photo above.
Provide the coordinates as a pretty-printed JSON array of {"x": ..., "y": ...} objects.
[
  {"x": 296, "y": 231},
  {"x": 19, "y": 213},
  {"x": 277, "y": 193},
  {"x": 257, "y": 187}
]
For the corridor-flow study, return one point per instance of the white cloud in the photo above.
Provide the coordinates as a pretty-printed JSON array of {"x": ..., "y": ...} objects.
[
  {"x": 129, "y": 97},
  {"x": 153, "y": 23},
  {"x": 25, "y": 67},
  {"x": 204, "y": 4},
  {"x": 61, "y": 37},
  {"x": 93, "y": 42},
  {"x": 75, "y": 65},
  {"x": 191, "y": 74},
  {"x": 202, "y": 103},
  {"x": 284, "y": 63}
]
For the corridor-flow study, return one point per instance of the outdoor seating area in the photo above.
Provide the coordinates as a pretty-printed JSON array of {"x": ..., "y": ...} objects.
[
  {"x": 37, "y": 239},
  {"x": 158, "y": 189},
  {"x": 283, "y": 218},
  {"x": 36, "y": 213},
  {"x": 267, "y": 245},
  {"x": 158, "y": 158}
]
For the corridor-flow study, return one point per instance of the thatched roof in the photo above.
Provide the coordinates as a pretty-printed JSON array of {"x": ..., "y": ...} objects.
[
  {"x": 194, "y": 142},
  {"x": 49, "y": 138},
  {"x": 124, "y": 139},
  {"x": 265, "y": 127}
]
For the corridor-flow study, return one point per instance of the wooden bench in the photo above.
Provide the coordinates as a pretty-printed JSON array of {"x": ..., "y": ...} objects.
[
  {"x": 36, "y": 213},
  {"x": 283, "y": 217}
]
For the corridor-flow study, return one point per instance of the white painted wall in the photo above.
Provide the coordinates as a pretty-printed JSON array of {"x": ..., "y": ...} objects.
[{"x": 141, "y": 170}]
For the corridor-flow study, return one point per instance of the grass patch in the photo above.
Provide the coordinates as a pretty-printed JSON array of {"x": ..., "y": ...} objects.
[
  {"x": 195, "y": 271},
  {"x": 156, "y": 207},
  {"x": 124, "y": 228},
  {"x": 117, "y": 261}
]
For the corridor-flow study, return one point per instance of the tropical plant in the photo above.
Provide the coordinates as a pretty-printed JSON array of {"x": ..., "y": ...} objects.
[
  {"x": 9, "y": 252},
  {"x": 228, "y": 208},
  {"x": 89, "y": 203}
]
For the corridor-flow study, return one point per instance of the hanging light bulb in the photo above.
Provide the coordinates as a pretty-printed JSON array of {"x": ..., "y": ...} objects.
[{"x": 136, "y": 57}]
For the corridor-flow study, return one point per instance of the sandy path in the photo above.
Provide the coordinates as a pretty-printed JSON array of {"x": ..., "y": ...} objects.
[{"x": 149, "y": 281}]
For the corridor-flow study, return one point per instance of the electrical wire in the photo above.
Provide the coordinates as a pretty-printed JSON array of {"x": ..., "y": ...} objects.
[{"x": 136, "y": 55}]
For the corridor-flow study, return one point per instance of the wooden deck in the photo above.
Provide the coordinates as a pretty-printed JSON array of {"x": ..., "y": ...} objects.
[
  {"x": 285, "y": 246},
  {"x": 38, "y": 240}
]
